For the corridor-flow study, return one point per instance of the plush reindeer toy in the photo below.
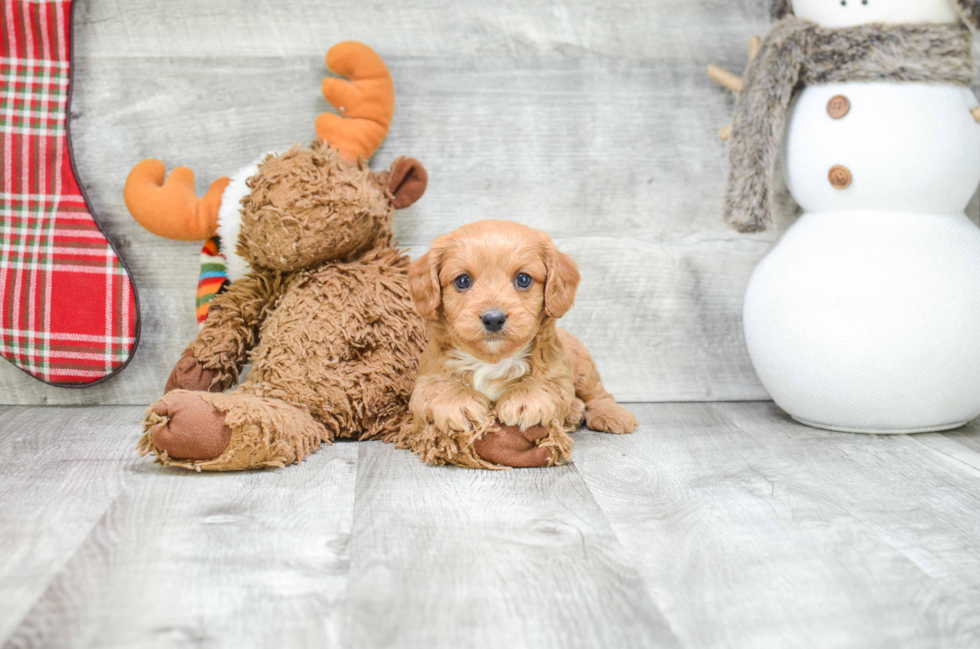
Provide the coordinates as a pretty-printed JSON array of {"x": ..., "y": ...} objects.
[{"x": 319, "y": 303}]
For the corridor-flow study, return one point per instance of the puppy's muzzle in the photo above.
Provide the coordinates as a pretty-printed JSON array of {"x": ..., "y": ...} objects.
[{"x": 493, "y": 321}]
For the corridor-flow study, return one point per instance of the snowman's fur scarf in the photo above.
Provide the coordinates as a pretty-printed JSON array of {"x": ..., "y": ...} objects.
[
  {"x": 969, "y": 10},
  {"x": 797, "y": 53},
  {"x": 781, "y": 8}
]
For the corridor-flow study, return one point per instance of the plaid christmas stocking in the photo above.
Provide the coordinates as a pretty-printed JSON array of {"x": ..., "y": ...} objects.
[{"x": 68, "y": 308}]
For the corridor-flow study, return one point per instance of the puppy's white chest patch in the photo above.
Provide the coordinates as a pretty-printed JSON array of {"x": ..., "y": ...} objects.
[{"x": 492, "y": 379}]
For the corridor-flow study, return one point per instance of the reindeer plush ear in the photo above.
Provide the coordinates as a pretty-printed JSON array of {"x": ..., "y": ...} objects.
[
  {"x": 781, "y": 8},
  {"x": 407, "y": 182},
  {"x": 562, "y": 282},
  {"x": 424, "y": 285}
]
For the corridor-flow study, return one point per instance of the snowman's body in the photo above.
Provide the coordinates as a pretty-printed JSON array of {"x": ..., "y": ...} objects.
[{"x": 866, "y": 315}]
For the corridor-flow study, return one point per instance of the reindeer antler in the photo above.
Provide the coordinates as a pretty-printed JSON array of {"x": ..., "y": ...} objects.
[
  {"x": 723, "y": 77},
  {"x": 367, "y": 101},
  {"x": 172, "y": 209}
]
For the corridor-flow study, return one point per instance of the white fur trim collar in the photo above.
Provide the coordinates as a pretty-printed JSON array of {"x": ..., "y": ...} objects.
[{"x": 230, "y": 218}]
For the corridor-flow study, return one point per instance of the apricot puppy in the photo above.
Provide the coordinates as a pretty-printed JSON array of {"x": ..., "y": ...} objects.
[{"x": 499, "y": 383}]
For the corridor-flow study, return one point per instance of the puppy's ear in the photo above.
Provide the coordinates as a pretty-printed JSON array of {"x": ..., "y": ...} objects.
[
  {"x": 406, "y": 182},
  {"x": 562, "y": 282},
  {"x": 424, "y": 285}
]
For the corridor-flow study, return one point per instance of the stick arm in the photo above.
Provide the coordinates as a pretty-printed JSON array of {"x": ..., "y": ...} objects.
[{"x": 733, "y": 82}]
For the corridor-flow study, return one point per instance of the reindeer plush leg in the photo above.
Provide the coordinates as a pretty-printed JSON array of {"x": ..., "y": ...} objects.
[
  {"x": 509, "y": 446},
  {"x": 202, "y": 431},
  {"x": 491, "y": 446}
]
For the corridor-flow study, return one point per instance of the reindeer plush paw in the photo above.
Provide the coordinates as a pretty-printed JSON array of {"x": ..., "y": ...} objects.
[
  {"x": 491, "y": 446},
  {"x": 513, "y": 447},
  {"x": 186, "y": 427},
  {"x": 190, "y": 374}
]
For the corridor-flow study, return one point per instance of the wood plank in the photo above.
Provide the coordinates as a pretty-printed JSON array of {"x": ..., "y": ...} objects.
[
  {"x": 246, "y": 559},
  {"x": 961, "y": 445},
  {"x": 60, "y": 469},
  {"x": 444, "y": 557},
  {"x": 752, "y": 530},
  {"x": 655, "y": 29}
]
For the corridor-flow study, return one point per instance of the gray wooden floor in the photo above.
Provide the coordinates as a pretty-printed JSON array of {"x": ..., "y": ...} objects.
[{"x": 714, "y": 525}]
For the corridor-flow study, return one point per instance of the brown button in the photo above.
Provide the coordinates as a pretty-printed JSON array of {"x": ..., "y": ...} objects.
[
  {"x": 840, "y": 177},
  {"x": 838, "y": 106}
]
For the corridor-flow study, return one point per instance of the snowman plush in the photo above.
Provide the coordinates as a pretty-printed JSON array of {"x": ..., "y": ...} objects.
[{"x": 865, "y": 316}]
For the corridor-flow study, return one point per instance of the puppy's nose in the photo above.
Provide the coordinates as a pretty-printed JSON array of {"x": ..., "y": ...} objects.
[{"x": 493, "y": 321}]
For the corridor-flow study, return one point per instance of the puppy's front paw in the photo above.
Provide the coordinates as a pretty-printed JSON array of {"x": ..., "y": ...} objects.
[
  {"x": 607, "y": 416},
  {"x": 526, "y": 406},
  {"x": 457, "y": 410}
]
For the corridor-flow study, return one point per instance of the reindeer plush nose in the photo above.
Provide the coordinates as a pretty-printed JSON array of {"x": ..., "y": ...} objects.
[{"x": 493, "y": 321}]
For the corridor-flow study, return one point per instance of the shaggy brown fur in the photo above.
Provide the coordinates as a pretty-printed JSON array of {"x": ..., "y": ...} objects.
[
  {"x": 797, "y": 53},
  {"x": 526, "y": 375},
  {"x": 325, "y": 317},
  {"x": 307, "y": 208}
]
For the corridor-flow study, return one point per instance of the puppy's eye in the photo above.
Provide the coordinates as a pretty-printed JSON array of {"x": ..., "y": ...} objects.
[
  {"x": 523, "y": 280},
  {"x": 463, "y": 282}
]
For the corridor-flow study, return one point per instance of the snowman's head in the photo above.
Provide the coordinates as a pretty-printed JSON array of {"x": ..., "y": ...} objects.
[{"x": 849, "y": 13}]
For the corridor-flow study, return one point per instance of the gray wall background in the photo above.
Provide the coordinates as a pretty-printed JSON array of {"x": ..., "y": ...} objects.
[{"x": 590, "y": 119}]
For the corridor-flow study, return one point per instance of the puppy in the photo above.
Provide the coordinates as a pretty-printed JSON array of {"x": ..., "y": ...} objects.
[{"x": 492, "y": 291}]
